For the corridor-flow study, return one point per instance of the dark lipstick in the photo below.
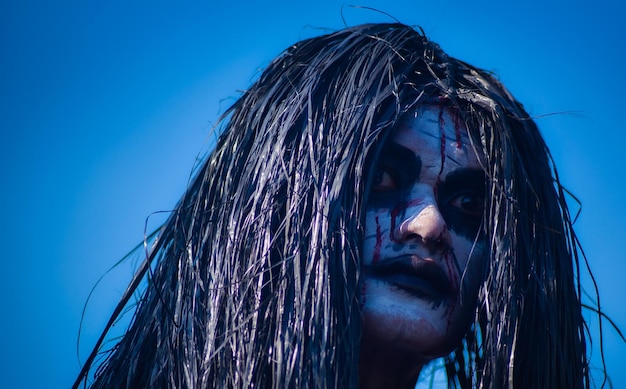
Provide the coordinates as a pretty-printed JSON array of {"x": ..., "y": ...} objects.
[{"x": 416, "y": 276}]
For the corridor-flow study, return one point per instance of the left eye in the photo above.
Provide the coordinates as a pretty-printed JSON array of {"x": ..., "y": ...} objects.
[
  {"x": 471, "y": 204},
  {"x": 384, "y": 181}
]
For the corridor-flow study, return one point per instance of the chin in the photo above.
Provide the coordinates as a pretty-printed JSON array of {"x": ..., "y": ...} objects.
[{"x": 395, "y": 320}]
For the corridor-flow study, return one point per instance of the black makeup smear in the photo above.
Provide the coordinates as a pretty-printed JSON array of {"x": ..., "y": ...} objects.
[
  {"x": 403, "y": 166},
  {"x": 463, "y": 187}
]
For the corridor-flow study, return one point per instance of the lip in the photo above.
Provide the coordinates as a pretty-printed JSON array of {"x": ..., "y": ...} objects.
[{"x": 413, "y": 274}]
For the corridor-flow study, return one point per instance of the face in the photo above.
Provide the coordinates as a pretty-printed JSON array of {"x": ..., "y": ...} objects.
[{"x": 423, "y": 251}]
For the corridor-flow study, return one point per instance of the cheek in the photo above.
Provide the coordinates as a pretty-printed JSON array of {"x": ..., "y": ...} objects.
[
  {"x": 465, "y": 248},
  {"x": 471, "y": 260},
  {"x": 466, "y": 270}
]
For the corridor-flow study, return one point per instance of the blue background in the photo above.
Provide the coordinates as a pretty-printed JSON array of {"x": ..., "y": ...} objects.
[{"x": 105, "y": 106}]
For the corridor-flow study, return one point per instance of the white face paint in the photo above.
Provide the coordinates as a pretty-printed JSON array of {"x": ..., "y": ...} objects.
[{"x": 422, "y": 237}]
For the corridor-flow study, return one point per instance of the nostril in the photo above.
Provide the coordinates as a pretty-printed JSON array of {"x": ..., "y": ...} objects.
[
  {"x": 439, "y": 243},
  {"x": 412, "y": 237}
]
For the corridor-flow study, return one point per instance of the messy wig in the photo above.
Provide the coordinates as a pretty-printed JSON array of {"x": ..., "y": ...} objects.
[{"x": 254, "y": 279}]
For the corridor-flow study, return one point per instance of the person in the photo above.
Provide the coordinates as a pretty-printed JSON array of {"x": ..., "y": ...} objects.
[{"x": 370, "y": 205}]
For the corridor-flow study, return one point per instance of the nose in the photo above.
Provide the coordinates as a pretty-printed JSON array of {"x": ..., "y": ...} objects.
[{"x": 426, "y": 225}]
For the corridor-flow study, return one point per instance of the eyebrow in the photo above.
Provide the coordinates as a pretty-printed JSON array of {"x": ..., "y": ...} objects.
[
  {"x": 398, "y": 153},
  {"x": 463, "y": 179}
]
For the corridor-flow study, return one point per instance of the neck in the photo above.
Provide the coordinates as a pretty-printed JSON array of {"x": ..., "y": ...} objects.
[{"x": 384, "y": 368}]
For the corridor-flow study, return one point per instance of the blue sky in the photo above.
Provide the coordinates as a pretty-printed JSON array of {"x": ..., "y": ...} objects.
[{"x": 105, "y": 106}]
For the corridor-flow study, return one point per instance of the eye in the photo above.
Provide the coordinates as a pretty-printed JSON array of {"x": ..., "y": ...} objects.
[
  {"x": 462, "y": 198},
  {"x": 469, "y": 203},
  {"x": 396, "y": 169},
  {"x": 384, "y": 181}
]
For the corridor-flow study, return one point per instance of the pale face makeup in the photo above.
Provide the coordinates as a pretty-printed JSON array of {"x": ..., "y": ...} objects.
[{"x": 423, "y": 251}]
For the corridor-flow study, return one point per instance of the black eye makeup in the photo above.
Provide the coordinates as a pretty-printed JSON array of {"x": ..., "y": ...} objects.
[
  {"x": 397, "y": 169},
  {"x": 461, "y": 198}
]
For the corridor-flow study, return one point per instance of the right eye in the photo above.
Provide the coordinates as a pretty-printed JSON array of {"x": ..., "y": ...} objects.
[
  {"x": 384, "y": 181},
  {"x": 469, "y": 204}
]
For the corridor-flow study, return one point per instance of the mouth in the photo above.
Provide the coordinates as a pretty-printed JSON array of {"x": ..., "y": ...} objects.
[{"x": 414, "y": 275}]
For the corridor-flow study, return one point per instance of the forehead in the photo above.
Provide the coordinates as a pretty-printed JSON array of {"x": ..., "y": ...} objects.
[{"x": 435, "y": 133}]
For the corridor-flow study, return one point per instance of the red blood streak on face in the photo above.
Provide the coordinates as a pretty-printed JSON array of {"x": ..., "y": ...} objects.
[
  {"x": 400, "y": 208},
  {"x": 453, "y": 277},
  {"x": 379, "y": 242}
]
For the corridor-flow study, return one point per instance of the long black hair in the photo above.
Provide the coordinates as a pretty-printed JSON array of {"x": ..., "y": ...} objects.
[{"x": 256, "y": 274}]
